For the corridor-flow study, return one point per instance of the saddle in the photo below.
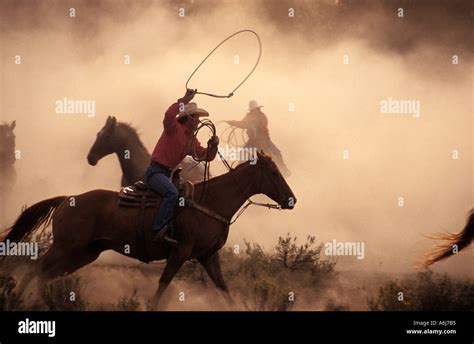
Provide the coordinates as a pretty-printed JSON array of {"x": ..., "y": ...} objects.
[{"x": 140, "y": 195}]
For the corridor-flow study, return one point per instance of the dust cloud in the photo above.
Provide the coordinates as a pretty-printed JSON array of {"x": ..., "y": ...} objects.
[{"x": 336, "y": 108}]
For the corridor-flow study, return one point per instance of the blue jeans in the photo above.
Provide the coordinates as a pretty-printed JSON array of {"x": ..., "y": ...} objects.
[{"x": 158, "y": 179}]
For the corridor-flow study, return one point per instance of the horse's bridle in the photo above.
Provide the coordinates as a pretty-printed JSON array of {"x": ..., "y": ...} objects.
[
  {"x": 210, "y": 125},
  {"x": 249, "y": 201}
]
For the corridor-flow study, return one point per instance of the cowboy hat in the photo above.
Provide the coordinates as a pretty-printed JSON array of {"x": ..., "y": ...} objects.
[
  {"x": 253, "y": 104},
  {"x": 192, "y": 109}
]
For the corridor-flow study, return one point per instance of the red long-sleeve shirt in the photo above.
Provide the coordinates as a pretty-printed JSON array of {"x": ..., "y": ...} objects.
[
  {"x": 173, "y": 146},
  {"x": 256, "y": 124}
]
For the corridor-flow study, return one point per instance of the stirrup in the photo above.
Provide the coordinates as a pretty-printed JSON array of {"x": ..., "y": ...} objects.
[
  {"x": 170, "y": 241},
  {"x": 162, "y": 234},
  {"x": 159, "y": 235}
]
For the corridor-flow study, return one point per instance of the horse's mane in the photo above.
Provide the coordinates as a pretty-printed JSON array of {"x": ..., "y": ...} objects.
[
  {"x": 237, "y": 168},
  {"x": 224, "y": 175},
  {"x": 132, "y": 133}
]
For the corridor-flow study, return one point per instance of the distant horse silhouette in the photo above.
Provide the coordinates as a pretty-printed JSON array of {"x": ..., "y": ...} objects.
[
  {"x": 123, "y": 140},
  {"x": 96, "y": 223},
  {"x": 232, "y": 137},
  {"x": 452, "y": 242},
  {"x": 7, "y": 159}
]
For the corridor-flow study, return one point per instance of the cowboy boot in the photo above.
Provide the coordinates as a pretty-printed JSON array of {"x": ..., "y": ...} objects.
[
  {"x": 162, "y": 234},
  {"x": 169, "y": 233}
]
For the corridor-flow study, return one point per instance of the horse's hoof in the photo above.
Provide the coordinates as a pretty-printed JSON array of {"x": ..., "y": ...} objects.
[{"x": 153, "y": 305}]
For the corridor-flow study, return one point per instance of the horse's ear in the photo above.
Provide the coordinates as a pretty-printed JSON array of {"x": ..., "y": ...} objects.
[
  {"x": 111, "y": 121},
  {"x": 13, "y": 125},
  {"x": 261, "y": 154}
]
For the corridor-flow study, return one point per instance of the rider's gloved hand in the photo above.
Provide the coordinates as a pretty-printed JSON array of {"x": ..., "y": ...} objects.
[
  {"x": 213, "y": 141},
  {"x": 190, "y": 93}
]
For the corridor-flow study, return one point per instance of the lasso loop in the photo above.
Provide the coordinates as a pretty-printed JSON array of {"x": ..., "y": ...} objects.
[{"x": 245, "y": 79}]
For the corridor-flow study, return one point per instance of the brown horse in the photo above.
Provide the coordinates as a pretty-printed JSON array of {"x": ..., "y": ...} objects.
[
  {"x": 123, "y": 140},
  {"x": 95, "y": 223},
  {"x": 452, "y": 243}
]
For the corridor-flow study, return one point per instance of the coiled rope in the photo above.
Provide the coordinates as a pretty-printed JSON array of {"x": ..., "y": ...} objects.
[{"x": 205, "y": 123}]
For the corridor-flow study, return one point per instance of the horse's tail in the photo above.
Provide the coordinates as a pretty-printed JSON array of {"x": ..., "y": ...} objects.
[
  {"x": 451, "y": 241},
  {"x": 33, "y": 217}
]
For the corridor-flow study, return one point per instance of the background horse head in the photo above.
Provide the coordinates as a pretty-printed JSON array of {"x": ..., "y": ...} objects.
[
  {"x": 7, "y": 168},
  {"x": 7, "y": 144},
  {"x": 7, "y": 156},
  {"x": 123, "y": 140}
]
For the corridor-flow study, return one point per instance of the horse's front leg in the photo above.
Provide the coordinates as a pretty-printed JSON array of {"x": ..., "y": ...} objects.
[
  {"x": 175, "y": 261},
  {"x": 212, "y": 266}
]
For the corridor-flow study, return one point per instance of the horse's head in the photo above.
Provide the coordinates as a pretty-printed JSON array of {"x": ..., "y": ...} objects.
[
  {"x": 7, "y": 139},
  {"x": 104, "y": 143},
  {"x": 272, "y": 183}
]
